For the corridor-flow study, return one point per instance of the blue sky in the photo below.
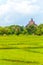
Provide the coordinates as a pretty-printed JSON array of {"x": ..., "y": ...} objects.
[{"x": 19, "y": 12}]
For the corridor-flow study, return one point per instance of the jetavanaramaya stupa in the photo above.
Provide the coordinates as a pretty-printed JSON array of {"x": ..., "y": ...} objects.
[{"x": 31, "y": 22}]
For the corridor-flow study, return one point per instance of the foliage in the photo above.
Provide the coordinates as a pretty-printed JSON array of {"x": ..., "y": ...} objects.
[
  {"x": 16, "y": 29},
  {"x": 31, "y": 29}
]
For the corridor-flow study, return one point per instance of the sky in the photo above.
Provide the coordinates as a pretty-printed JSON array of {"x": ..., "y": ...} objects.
[{"x": 19, "y": 12}]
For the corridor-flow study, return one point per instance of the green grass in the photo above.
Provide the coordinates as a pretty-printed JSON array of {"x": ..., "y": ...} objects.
[{"x": 21, "y": 50}]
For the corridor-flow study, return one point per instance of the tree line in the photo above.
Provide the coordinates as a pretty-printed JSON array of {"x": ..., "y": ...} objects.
[{"x": 16, "y": 29}]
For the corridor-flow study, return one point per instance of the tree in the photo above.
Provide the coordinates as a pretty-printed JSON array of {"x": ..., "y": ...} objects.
[
  {"x": 31, "y": 29},
  {"x": 41, "y": 28},
  {"x": 1, "y": 30},
  {"x": 17, "y": 30},
  {"x": 38, "y": 31}
]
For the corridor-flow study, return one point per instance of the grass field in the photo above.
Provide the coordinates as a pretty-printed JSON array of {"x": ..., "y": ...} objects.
[{"x": 21, "y": 50}]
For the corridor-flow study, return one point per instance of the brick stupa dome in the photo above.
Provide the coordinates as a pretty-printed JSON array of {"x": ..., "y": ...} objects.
[{"x": 31, "y": 22}]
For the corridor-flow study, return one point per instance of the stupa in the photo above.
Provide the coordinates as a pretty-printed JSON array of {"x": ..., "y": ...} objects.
[{"x": 31, "y": 22}]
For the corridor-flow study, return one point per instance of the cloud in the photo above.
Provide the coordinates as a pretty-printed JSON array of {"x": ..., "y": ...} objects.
[
  {"x": 4, "y": 9},
  {"x": 26, "y": 8},
  {"x": 34, "y": 1},
  {"x": 16, "y": 11},
  {"x": 23, "y": 7}
]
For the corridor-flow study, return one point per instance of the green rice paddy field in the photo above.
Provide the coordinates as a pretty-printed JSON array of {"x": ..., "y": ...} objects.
[{"x": 21, "y": 50}]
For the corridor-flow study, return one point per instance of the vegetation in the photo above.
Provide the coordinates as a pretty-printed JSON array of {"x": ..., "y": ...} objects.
[
  {"x": 21, "y": 50},
  {"x": 25, "y": 49},
  {"x": 16, "y": 29}
]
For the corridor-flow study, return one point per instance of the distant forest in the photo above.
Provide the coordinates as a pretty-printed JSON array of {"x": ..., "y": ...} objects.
[{"x": 31, "y": 29}]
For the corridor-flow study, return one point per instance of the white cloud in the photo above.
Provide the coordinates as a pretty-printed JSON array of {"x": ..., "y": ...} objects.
[
  {"x": 26, "y": 7},
  {"x": 15, "y": 11},
  {"x": 34, "y": 1},
  {"x": 4, "y": 9},
  {"x": 23, "y": 7}
]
